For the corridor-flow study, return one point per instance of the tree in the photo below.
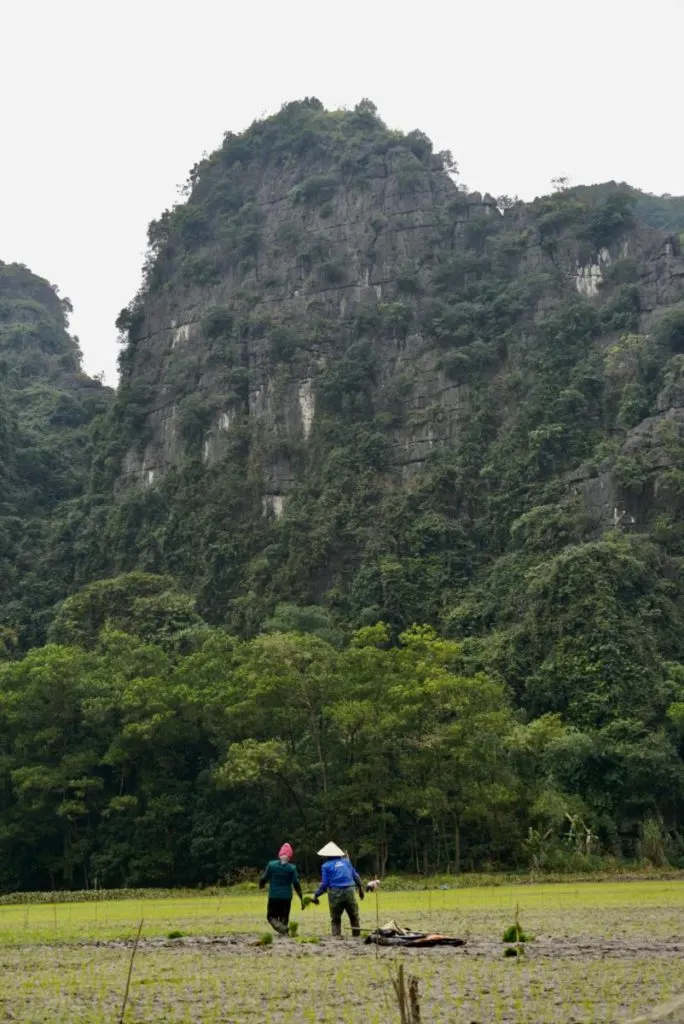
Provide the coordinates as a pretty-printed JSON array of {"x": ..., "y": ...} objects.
[
  {"x": 148, "y": 606},
  {"x": 560, "y": 183},
  {"x": 50, "y": 761}
]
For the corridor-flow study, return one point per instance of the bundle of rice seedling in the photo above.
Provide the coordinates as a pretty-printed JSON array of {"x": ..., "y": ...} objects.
[{"x": 515, "y": 933}]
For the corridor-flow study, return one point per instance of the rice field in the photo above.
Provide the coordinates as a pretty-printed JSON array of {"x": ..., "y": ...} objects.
[{"x": 602, "y": 952}]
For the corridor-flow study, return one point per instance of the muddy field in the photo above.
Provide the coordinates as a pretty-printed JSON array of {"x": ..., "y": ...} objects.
[{"x": 601, "y": 953}]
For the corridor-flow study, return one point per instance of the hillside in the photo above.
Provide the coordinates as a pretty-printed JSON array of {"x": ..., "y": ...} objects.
[
  {"x": 355, "y": 398},
  {"x": 348, "y": 382},
  {"x": 663, "y": 212},
  {"x": 46, "y": 406}
]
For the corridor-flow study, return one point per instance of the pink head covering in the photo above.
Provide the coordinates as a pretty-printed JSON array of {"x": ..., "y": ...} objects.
[{"x": 286, "y": 851}]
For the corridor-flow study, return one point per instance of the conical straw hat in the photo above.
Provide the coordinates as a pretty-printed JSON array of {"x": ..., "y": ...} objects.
[{"x": 330, "y": 850}]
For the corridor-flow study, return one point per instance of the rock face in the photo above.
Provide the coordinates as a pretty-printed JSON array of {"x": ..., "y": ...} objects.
[
  {"x": 327, "y": 243},
  {"x": 329, "y": 316},
  {"x": 634, "y": 503}
]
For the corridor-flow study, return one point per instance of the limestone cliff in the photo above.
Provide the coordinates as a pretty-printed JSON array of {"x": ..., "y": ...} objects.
[
  {"x": 316, "y": 243},
  {"x": 346, "y": 379}
]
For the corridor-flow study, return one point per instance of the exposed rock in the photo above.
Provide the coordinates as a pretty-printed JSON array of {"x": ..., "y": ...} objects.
[
  {"x": 338, "y": 289},
  {"x": 307, "y": 405},
  {"x": 589, "y": 278}
]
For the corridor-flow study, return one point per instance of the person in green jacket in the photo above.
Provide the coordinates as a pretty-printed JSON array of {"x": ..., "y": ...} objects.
[{"x": 282, "y": 878}]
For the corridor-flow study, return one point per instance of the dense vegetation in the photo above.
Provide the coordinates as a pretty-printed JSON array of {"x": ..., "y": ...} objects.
[
  {"x": 536, "y": 525},
  {"x": 46, "y": 407},
  {"x": 663, "y": 212},
  {"x": 176, "y": 753}
]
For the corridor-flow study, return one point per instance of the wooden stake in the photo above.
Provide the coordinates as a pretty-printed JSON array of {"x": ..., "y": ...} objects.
[{"x": 130, "y": 972}]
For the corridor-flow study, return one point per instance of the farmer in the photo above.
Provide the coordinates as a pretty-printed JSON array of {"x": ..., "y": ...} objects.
[
  {"x": 282, "y": 878},
  {"x": 339, "y": 879}
]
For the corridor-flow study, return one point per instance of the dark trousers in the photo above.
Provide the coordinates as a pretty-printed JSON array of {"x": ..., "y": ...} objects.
[
  {"x": 278, "y": 914},
  {"x": 341, "y": 900}
]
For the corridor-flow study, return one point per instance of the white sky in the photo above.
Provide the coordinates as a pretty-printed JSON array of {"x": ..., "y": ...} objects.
[{"x": 106, "y": 105}]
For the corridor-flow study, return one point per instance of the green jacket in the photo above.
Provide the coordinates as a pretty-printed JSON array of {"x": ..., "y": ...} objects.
[{"x": 282, "y": 879}]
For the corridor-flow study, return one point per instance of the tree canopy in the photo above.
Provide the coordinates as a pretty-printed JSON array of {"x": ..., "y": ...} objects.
[{"x": 127, "y": 760}]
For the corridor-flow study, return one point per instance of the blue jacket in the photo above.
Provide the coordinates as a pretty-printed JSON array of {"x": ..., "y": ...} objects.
[{"x": 337, "y": 873}]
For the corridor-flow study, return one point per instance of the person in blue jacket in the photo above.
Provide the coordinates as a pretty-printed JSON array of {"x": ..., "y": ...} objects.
[{"x": 339, "y": 880}]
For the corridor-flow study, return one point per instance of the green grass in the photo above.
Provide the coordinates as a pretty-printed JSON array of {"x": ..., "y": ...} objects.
[
  {"x": 602, "y": 952},
  {"x": 483, "y": 911},
  {"x": 392, "y": 883}
]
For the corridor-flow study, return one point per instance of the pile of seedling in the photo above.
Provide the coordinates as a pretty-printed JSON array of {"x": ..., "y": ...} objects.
[{"x": 515, "y": 937}]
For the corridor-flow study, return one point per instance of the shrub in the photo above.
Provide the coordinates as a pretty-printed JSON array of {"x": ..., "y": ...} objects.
[
  {"x": 670, "y": 330},
  {"x": 419, "y": 144},
  {"x": 194, "y": 419},
  {"x": 396, "y": 318},
  {"x": 624, "y": 271},
  {"x": 409, "y": 178},
  {"x": 634, "y": 405},
  {"x": 408, "y": 281},
  {"x": 319, "y": 189},
  {"x": 652, "y": 843},
  {"x": 622, "y": 312},
  {"x": 289, "y": 236},
  {"x": 217, "y": 322},
  {"x": 557, "y": 213},
  {"x": 333, "y": 273},
  {"x": 201, "y": 269},
  {"x": 630, "y": 474},
  {"x": 607, "y": 221},
  {"x": 190, "y": 224}
]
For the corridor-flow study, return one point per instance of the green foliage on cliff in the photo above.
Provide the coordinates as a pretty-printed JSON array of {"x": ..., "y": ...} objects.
[
  {"x": 666, "y": 212},
  {"x": 46, "y": 406},
  {"x": 353, "y": 393}
]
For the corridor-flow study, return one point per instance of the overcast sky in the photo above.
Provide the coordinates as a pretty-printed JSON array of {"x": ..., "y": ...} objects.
[{"x": 106, "y": 106}]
